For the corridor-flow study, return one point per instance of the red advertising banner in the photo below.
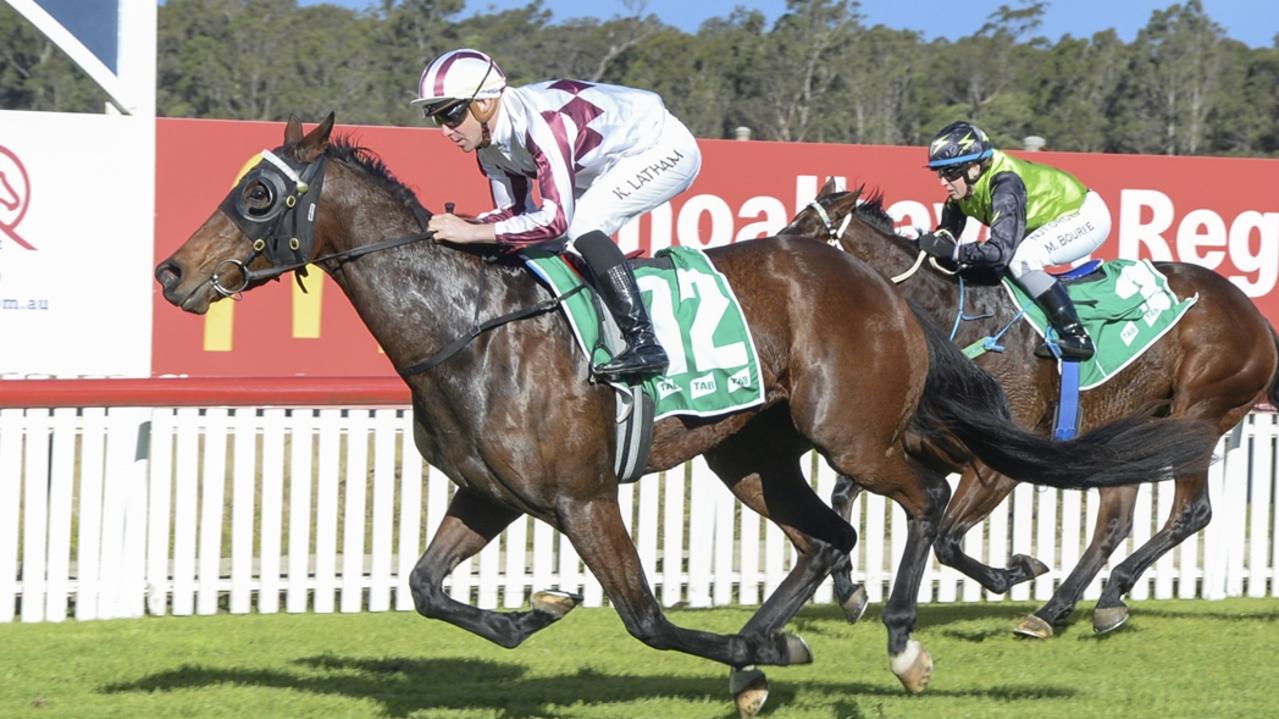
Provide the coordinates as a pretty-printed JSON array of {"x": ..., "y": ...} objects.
[{"x": 1222, "y": 213}]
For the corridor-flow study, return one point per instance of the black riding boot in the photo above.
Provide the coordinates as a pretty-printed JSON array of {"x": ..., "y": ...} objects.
[
  {"x": 643, "y": 354},
  {"x": 1072, "y": 338}
]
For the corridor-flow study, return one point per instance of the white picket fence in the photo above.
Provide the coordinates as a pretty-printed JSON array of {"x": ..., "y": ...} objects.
[{"x": 126, "y": 511}]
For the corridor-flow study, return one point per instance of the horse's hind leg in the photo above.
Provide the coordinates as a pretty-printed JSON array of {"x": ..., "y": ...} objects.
[
  {"x": 762, "y": 469},
  {"x": 764, "y": 473},
  {"x": 974, "y": 500},
  {"x": 471, "y": 523},
  {"x": 1190, "y": 513},
  {"x": 851, "y": 595},
  {"x": 597, "y": 532},
  {"x": 1114, "y": 522},
  {"x": 923, "y": 495}
]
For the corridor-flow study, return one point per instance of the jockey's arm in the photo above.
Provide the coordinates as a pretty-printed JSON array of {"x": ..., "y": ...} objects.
[{"x": 1007, "y": 225}]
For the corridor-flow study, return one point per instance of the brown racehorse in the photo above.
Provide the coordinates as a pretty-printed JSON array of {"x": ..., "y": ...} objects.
[
  {"x": 512, "y": 419},
  {"x": 1215, "y": 365}
]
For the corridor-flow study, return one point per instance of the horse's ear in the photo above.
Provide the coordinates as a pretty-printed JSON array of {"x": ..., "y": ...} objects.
[
  {"x": 293, "y": 131},
  {"x": 315, "y": 141},
  {"x": 829, "y": 187}
]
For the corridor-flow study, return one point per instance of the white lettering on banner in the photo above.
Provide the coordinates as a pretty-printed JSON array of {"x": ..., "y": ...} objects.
[
  {"x": 1190, "y": 238},
  {"x": 772, "y": 218},
  {"x": 690, "y": 216},
  {"x": 1134, "y": 234},
  {"x": 1145, "y": 228},
  {"x": 805, "y": 190},
  {"x": 1265, "y": 262},
  {"x": 1199, "y": 229}
]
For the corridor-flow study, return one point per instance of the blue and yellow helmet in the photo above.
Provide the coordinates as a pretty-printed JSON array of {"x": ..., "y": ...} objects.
[{"x": 958, "y": 143}]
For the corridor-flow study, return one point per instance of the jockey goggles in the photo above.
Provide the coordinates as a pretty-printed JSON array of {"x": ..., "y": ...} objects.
[
  {"x": 952, "y": 172},
  {"x": 452, "y": 114}
]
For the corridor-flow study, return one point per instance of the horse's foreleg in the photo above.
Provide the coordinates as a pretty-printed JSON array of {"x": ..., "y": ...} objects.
[
  {"x": 975, "y": 498},
  {"x": 598, "y": 534},
  {"x": 851, "y": 595},
  {"x": 471, "y": 523},
  {"x": 1114, "y": 522},
  {"x": 1191, "y": 512}
]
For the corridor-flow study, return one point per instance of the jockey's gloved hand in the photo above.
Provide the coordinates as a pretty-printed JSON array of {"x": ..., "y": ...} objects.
[{"x": 940, "y": 244}]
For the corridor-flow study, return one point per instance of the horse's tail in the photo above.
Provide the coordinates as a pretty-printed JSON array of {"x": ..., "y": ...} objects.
[
  {"x": 961, "y": 401},
  {"x": 1273, "y": 392}
]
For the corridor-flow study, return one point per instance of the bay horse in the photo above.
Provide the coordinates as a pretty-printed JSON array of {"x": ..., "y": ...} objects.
[
  {"x": 1215, "y": 365},
  {"x": 513, "y": 421}
]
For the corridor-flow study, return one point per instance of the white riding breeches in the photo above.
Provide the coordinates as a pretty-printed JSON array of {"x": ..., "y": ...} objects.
[
  {"x": 638, "y": 183},
  {"x": 1065, "y": 239}
]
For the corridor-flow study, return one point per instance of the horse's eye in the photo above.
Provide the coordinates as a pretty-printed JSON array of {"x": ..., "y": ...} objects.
[{"x": 257, "y": 197}]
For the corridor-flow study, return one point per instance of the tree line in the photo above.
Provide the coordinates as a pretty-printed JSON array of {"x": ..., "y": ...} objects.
[{"x": 818, "y": 73}]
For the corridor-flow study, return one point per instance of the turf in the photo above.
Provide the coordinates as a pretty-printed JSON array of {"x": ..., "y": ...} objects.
[{"x": 1174, "y": 659}]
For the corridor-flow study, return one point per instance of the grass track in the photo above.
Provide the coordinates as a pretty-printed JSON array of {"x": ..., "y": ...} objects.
[{"x": 1175, "y": 659}]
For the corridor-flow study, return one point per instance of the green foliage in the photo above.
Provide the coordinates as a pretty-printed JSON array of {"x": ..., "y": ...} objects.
[
  {"x": 817, "y": 74},
  {"x": 1174, "y": 659},
  {"x": 35, "y": 75}
]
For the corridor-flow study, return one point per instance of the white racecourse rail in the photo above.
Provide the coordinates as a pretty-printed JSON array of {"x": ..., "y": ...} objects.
[{"x": 128, "y": 511}]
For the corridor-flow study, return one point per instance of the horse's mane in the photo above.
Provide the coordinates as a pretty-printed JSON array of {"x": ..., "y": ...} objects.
[
  {"x": 347, "y": 149},
  {"x": 871, "y": 209}
]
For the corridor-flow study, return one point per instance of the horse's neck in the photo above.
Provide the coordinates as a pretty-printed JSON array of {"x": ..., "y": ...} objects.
[
  {"x": 936, "y": 293},
  {"x": 417, "y": 298}
]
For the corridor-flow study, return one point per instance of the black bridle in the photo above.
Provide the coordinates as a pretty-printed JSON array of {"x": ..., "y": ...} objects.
[{"x": 283, "y": 232}]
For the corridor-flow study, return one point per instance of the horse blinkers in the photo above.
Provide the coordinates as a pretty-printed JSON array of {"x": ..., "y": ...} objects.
[{"x": 281, "y": 225}]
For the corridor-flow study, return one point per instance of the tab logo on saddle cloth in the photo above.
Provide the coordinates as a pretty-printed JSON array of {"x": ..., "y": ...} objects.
[{"x": 714, "y": 369}]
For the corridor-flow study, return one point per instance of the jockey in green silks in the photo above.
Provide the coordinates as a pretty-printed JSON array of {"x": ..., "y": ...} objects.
[{"x": 1038, "y": 216}]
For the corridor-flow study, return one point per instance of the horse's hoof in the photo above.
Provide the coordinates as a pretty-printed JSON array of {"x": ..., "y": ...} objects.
[
  {"x": 855, "y": 606},
  {"x": 555, "y": 602},
  {"x": 749, "y": 688},
  {"x": 914, "y": 667},
  {"x": 797, "y": 650},
  {"x": 1034, "y": 627},
  {"x": 1033, "y": 566},
  {"x": 1108, "y": 619}
]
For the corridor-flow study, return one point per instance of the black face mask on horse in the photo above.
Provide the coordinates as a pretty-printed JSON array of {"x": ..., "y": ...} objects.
[{"x": 847, "y": 368}]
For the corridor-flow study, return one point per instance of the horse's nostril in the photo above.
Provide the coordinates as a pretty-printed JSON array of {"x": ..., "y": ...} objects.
[{"x": 168, "y": 274}]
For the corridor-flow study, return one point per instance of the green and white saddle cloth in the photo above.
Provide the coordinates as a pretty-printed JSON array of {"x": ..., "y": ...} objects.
[
  {"x": 1126, "y": 306},
  {"x": 714, "y": 369}
]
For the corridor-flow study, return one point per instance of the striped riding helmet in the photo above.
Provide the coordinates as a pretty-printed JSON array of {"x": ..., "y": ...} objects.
[{"x": 463, "y": 74}]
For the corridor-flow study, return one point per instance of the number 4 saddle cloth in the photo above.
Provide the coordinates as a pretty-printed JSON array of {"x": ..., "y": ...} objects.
[
  {"x": 1126, "y": 306},
  {"x": 714, "y": 369}
]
